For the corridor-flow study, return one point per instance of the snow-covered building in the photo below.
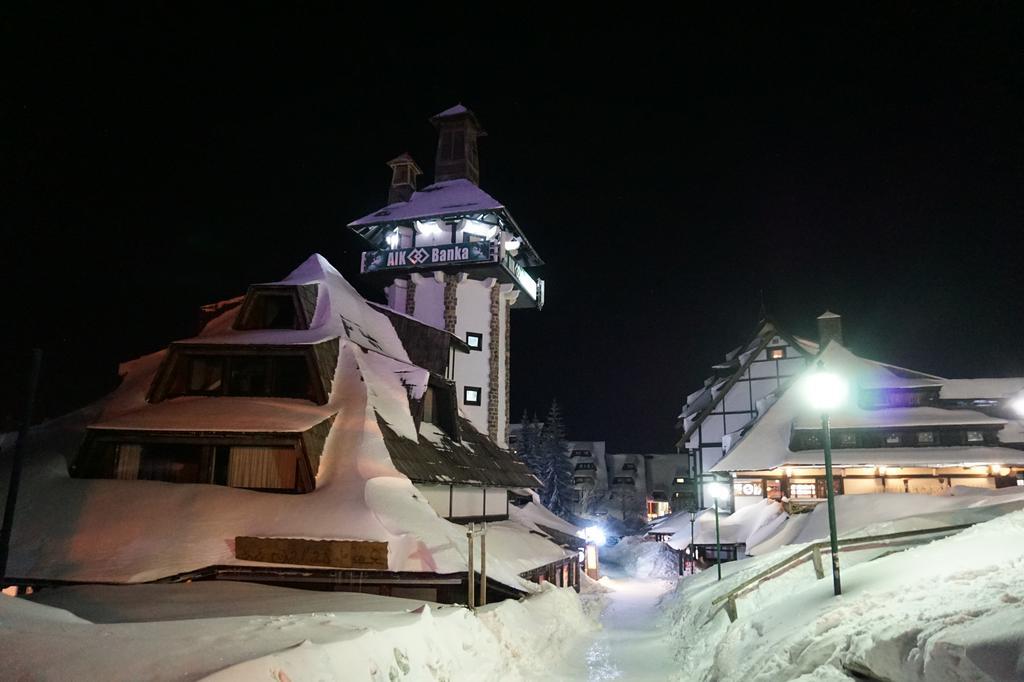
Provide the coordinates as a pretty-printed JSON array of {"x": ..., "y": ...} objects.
[
  {"x": 737, "y": 390},
  {"x": 452, "y": 256},
  {"x": 304, "y": 437},
  {"x": 900, "y": 431}
]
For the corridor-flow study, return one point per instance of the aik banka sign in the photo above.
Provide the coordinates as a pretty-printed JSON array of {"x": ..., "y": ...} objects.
[{"x": 429, "y": 256}]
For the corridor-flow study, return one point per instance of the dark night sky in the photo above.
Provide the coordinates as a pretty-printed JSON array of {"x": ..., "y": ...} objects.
[{"x": 157, "y": 159}]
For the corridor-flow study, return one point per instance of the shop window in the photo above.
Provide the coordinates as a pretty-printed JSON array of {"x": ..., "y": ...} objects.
[
  {"x": 471, "y": 395},
  {"x": 847, "y": 439},
  {"x": 975, "y": 437},
  {"x": 803, "y": 491},
  {"x": 773, "y": 489},
  {"x": 475, "y": 341},
  {"x": 893, "y": 439},
  {"x": 926, "y": 438},
  {"x": 747, "y": 489}
]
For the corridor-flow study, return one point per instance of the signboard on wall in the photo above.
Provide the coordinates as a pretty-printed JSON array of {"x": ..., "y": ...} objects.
[
  {"x": 331, "y": 553},
  {"x": 428, "y": 256}
]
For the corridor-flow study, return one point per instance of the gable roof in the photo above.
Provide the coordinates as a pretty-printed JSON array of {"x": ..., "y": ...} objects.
[
  {"x": 703, "y": 402},
  {"x": 766, "y": 444},
  {"x": 450, "y": 197}
]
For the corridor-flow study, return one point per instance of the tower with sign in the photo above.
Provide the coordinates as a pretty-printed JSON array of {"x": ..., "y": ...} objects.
[{"x": 452, "y": 256}]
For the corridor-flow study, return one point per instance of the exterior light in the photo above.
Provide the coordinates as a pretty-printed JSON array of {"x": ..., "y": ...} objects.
[
  {"x": 393, "y": 239},
  {"x": 594, "y": 535},
  {"x": 479, "y": 229},
  {"x": 1004, "y": 471},
  {"x": 718, "y": 491},
  {"x": 512, "y": 244},
  {"x": 825, "y": 391},
  {"x": 995, "y": 468},
  {"x": 882, "y": 470},
  {"x": 1017, "y": 405},
  {"x": 427, "y": 228},
  {"x": 680, "y": 480}
]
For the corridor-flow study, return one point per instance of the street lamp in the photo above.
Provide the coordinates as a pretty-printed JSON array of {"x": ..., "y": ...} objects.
[
  {"x": 718, "y": 492},
  {"x": 825, "y": 392}
]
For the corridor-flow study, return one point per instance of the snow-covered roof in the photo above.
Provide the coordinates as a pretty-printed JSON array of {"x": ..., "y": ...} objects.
[
  {"x": 449, "y": 197},
  {"x": 766, "y": 444},
  {"x": 132, "y": 531},
  {"x": 994, "y": 389}
]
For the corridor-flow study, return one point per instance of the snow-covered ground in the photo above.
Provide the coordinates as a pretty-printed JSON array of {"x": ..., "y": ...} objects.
[
  {"x": 952, "y": 609},
  {"x": 224, "y": 631}
]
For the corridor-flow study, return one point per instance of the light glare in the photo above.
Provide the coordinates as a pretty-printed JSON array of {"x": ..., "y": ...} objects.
[
  {"x": 825, "y": 391},
  {"x": 718, "y": 491}
]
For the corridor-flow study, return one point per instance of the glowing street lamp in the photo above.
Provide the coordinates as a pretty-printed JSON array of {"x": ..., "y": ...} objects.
[
  {"x": 826, "y": 391},
  {"x": 1017, "y": 405}
]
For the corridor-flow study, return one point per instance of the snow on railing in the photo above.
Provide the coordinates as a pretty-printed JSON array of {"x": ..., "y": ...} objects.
[{"x": 814, "y": 550}]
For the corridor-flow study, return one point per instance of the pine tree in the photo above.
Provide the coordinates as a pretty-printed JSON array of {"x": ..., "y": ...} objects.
[{"x": 553, "y": 467}]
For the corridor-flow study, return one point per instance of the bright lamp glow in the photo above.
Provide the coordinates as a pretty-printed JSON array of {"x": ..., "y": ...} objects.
[
  {"x": 475, "y": 227},
  {"x": 825, "y": 391},
  {"x": 718, "y": 491},
  {"x": 393, "y": 239},
  {"x": 593, "y": 534},
  {"x": 428, "y": 227},
  {"x": 1017, "y": 405},
  {"x": 512, "y": 244}
]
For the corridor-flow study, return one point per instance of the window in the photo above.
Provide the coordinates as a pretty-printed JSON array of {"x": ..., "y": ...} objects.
[
  {"x": 629, "y": 466},
  {"x": 585, "y": 466},
  {"x": 802, "y": 491},
  {"x": 812, "y": 440},
  {"x": 622, "y": 480},
  {"x": 205, "y": 375},
  {"x": 679, "y": 480},
  {"x": 428, "y": 405},
  {"x": 248, "y": 376},
  {"x": 471, "y": 395},
  {"x": 893, "y": 439},
  {"x": 776, "y": 353},
  {"x": 847, "y": 439},
  {"x": 925, "y": 437},
  {"x": 975, "y": 437},
  {"x": 475, "y": 341},
  {"x": 276, "y": 311},
  {"x": 580, "y": 453},
  {"x": 582, "y": 480},
  {"x": 747, "y": 489}
]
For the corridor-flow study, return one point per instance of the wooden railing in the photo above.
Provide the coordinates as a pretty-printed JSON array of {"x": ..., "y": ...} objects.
[{"x": 814, "y": 550}]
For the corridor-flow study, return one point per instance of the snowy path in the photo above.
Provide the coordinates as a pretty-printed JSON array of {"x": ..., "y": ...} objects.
[{"x": 630, "y": 645}]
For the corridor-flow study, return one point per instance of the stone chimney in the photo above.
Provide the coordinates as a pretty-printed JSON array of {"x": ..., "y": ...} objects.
[
  {"x": 457, "y": 132},
  {"x": 403, "y": 178},
  {"x": 830, "y": 328}
]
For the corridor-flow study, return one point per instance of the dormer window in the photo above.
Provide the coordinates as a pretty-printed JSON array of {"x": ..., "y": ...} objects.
[
  {"x": 439, "y": 407},
  {"x": 271, "y": 306}
]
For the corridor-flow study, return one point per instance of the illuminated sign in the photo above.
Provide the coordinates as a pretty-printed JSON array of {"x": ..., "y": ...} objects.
[
  {"x": 747, "y": 489},
  {"x": 426, "y": 256}
]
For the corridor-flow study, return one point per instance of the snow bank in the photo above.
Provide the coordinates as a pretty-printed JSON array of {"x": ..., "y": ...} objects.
[
  {"x": 949, "y": 610},
  {"x": 401, "y": 639},
  {"x": 641, "y": 557}
]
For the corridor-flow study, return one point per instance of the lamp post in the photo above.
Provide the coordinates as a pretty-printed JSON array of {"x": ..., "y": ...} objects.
[
  {"x": 826, "y": 392},
  {"x": 718, "y": 492}
]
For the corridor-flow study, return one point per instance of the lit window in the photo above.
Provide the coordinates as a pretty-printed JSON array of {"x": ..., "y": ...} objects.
[
  {"x": 893, "y": 439},
  {"x": 803, "y": 491},
  {"x": 471, "y": 395},
  {"x": 847, "y": 439},
  {"x": 747, "y": 489},
  {"x": 975, "y": 437},
  {"x": 925, "y": 437},
  {"x": 776, "y": 353},
  {"x": 580, "y": 453},
  {"x": 474, "y": 340},
  {"x": 680, "y": 480},
  {"x": 585, "y": 466}
]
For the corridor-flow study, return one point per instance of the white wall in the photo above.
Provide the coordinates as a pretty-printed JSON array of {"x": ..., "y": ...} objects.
[
  {"x": 497, "y": 501},
  {"x": 437, "y": 496},
  {"x": 467, "y": 501},
  {"x": 472, "y": 314},
  {"x": 429, "y": 299}
]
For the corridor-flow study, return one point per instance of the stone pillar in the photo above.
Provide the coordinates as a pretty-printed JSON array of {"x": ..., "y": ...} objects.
[
  {"x": 451, "y": 299},
  {"x": 493, "y": 384},
  {"x": 410, "y": 297},
  {"x": 508, "y": 365}
]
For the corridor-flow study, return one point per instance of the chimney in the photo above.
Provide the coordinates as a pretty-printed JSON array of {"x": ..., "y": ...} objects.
[
  {"x": 457, "y": 133},
  {"x": 830, "y": 328},
  {"x": 403, "y": 178}
]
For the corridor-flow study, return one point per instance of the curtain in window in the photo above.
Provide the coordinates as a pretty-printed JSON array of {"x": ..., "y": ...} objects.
[
  {"x": 128, "y": 462},
  {"x": 261, "y": 467}
]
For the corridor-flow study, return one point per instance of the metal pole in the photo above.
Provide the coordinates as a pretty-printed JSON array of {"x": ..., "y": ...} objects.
[
  {"x": 830, "y": 493},
  {"x": 471, "y": 575},
  {"x": 19, "y": 446},
  {"x": 718, "y": 543},
  {"x": 483, "y": 565}
]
